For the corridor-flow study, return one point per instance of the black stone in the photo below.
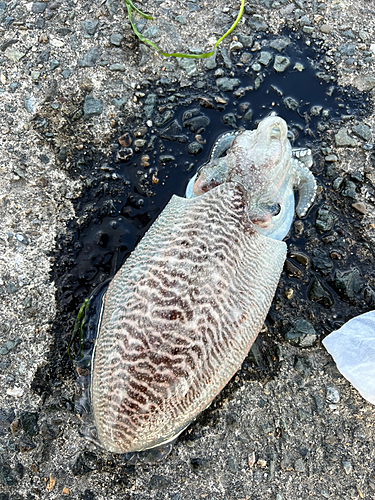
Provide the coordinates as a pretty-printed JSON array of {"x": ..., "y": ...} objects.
[
  {"x": 39, "y": 23},
  {"x": 79, "y": 467},
  {"x": 301, "y": 334},
  {"x": 324, "y": 219},
  {"x": 8, "y": 43},
  {"x": 194, "y": 148},
  {"x": 349, "y": 189},
  {"x": 7, "y": 477},
  {"x": 92, "y": 107},
  {"x": 227, "y": 84},
  {"x": 290, "y": 103},
  {"x": 43, "y": 56},
  {"x": 19, "y": 470},
  {"x": 257, "y": 23},
  {"x": 86, "y": 495},
  {"x": 44, "y": 159},
  {"x": 62, "y": 154},
  {"x": 197, "y": 124},
  {"x": 230, "y": 119},
  {"x": 149, "y": 104},
  {"x": 17, "y": 496},
  {"x": 280, "y": 43},
  {"x": 348, "y": 283},
  {"x": 48, "y": 432},
  {"x": 25, "y": 445},
  {"x": 90, "y": 25},
  {"x": 173, "y": 132},
  {"x": 90, "y": 58},
  {"x": 232, "y": 464},
  {"x": 321, "y": 262},
  {"x": 29, "y": 423},
  {"x": 199, "y": 463},
  {"x": 39, "y": 7},
  {"x": 163, "y": 119},
  {"x": 63, "y": 31},
  {"x": 302, "y": 366},
  {"x": 13, "y": 86},
  {"x": 317, "y": 293},
  {"x": 9, "y": 108},
  {"x": 158, "y": 482},
  {"x": 369, "y": 296}
]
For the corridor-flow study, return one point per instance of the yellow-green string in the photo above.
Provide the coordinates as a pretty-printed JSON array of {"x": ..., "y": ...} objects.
[{"x": 130, "y": 6}]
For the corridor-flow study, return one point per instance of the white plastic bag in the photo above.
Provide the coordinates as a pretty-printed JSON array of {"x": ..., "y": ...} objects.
[{"x": 353, "y": 349}]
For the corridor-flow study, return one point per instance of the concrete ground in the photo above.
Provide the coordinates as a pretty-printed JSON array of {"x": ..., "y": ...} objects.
[{"x": 288, "y": 438}]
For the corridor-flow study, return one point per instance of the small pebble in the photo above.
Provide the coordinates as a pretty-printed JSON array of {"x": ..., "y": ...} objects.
[
  {"x": 347, "y": 467},
  {"x": 281, "y": 63},
  {"x": 326, "y": 28},
  {"x": 15, "y": 391},
  {"x": 116, "y": 39},
  {"x": 299, "y": 465},
  {"x": 300, "y": 257},
  {"x": 342, "y": 138},
  {"x": 299, "y": 67},
  {"x": 235, "y": 46},
  {"x": 251, "y": 459},
  {"x": 331, "y": 158},
  {"x": 359, "y": 207},
  {"x": 333, "y": 395},
  {"x": 265, "y": 58},
  {"x": 288, "y": 293},
  {"x": 117, "y": 67},
  {"x": 139, "y": 143}
]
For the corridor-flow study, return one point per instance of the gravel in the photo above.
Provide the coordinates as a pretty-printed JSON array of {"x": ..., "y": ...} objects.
[{"x": 69, "y": 76}]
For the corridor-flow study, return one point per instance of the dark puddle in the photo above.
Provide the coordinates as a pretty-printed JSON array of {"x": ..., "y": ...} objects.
[{"x": 124, "y": 195}]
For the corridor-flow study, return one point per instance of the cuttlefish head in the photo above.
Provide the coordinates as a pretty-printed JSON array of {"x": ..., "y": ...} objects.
[
  {"x": 256, "y": 159},
  {"x": 259, "y": 161}
]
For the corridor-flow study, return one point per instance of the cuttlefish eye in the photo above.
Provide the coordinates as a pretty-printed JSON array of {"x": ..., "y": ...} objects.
[
  {"x": 275, "y": 133},
  {"x": 275, "y": 209}
]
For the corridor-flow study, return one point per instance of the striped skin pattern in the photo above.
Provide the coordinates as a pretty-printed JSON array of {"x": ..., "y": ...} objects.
[{"x": 180, "y": 317}]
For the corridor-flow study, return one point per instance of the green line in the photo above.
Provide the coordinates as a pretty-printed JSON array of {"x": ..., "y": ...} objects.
[
  {"x": 130, "y": 6},
  {"x": 78, "y": 327},
  {"x": 130, "y": 3}
]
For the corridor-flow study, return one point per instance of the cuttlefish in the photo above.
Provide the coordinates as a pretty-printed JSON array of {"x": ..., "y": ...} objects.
[{"x": 181, "y": 314}]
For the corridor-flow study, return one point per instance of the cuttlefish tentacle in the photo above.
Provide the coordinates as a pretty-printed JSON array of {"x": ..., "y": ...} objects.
[{"x": 222, "y": 144}]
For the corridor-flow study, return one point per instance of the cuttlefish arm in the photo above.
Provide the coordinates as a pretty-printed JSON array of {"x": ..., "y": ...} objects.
[
  {"x": 222, "y": 144},
  {"x": 303, "y": 180},
  {"x": 180, "y": 317}
]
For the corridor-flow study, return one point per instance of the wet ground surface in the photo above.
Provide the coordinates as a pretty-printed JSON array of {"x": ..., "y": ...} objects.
[{"x": 328, "y": 276}]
